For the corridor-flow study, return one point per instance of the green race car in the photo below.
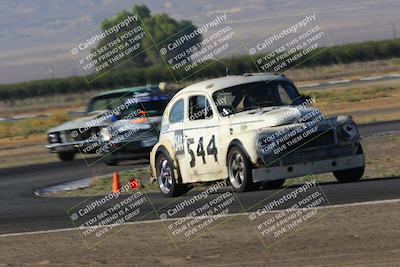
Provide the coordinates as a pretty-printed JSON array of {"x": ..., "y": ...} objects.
[{"x": 82, "y": 135}]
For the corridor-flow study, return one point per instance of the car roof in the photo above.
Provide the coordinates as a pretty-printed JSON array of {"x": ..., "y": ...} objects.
[
  {"x": 212, "y": 85},
  {"x": 138, "y": 89}
]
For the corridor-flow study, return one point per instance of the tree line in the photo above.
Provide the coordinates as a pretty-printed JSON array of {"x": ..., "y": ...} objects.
[{"x": 134, "y": 76}]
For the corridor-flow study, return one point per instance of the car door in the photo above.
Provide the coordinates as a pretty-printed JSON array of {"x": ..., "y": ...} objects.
[
  {"x": 172, "y": 126},
  {"x": 201, "y": 139}
]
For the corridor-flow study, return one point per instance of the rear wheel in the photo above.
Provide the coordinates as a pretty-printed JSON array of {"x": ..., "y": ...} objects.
[
  {"x": 240, "y": 171},
  {"x": 166, "y": 178},
  {"x": 66, "y": 156}
]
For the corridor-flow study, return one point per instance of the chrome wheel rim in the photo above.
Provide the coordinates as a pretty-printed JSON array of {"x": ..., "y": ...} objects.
[
  {"x": 165, "y": 177},
  {"x": 236, "y": 170}
]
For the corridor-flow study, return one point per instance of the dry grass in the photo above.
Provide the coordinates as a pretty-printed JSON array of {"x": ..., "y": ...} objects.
[
  {"x": 357, "y": 93},
  {"x": 103, "y": 185},
  {"x": 31, "y": 126},
  {"x": 345, "y": 71},
  {"x": 372, "y": 102},
  {"x": 46, "y": 104}
]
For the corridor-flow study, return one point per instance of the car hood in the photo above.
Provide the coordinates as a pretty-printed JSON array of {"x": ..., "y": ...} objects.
[
  {"x": 269, "y": 117},
  {"x": 93, "y": 119}
]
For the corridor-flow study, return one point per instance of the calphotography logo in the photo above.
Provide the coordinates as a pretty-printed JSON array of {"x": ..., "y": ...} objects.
[
  {"x": 101, "y": 52},
  {"x": 291, "y": 46},
  {"x": 201, "y": 210},
  {"x": 189, "y": 52},
  {"x": 99, "y": 218},
  {"x": 290, "y": 210}
]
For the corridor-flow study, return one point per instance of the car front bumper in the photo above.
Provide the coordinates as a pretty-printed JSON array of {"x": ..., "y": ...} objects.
[
  {"x": 78, "y": 146},
  {"x": 307, "y": 168},
  {"x": 130, "y": 149}
]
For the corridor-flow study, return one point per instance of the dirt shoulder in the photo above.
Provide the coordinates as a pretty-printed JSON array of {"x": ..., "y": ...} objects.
[{"x": 364, "y": 235}]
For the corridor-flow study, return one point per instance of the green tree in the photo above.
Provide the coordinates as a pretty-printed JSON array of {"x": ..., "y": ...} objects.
[
  {"x": 160, "y": 30},
  {"x": 140, "y": 59},
  {"x": 165, "y": 30}
]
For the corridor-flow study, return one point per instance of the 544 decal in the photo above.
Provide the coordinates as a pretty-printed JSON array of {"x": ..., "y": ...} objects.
[{"x": 200, "y": 152}]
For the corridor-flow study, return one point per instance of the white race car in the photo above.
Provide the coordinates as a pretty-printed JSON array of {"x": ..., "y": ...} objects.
[{"x": 251, "y": 129}]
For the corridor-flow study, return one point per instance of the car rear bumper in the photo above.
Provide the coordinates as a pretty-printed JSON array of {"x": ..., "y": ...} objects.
[{"x": 312, "y": 167}]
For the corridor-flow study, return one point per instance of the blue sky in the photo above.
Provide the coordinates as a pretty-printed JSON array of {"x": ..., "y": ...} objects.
[{"x": 35, "y": 35}]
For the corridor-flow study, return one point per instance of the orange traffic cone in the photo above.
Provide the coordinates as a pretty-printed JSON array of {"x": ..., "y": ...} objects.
[{"x": 116, "y": 184}]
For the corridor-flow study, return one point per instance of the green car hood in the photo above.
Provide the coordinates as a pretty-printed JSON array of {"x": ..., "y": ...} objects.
[{"x": 96, "y": 118}]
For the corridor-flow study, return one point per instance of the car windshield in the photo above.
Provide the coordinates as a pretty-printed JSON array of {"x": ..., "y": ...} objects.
[
  {"x": 109, "y": 101},
  {"x": 256, "y": 95},
  {"x": 148, "y": 107}
]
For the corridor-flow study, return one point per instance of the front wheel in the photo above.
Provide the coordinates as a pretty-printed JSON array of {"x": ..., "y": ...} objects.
[
  {"x": 240, "y": 171},
  {"x": 66, "y": 156},
  {"x": 349, "y": 175},
  {"x": 166, "y": 178}
]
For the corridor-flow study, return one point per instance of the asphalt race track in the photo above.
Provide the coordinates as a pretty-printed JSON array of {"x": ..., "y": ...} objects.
[{"x": 22, "y": 211}]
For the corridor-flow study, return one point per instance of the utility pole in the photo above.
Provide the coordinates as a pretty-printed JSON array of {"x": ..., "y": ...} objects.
[
  {"x": 51, "y": 70},
  {"x": 394, "y": 30}
]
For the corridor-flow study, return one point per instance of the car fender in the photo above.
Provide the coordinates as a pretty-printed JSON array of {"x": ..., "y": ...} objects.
[
  {"x": 247, "y": 142},
  {"x": 166, "y": 146}
]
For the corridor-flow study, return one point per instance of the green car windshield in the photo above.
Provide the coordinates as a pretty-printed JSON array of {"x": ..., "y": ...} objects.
[
  {"x": 109, "y": 101},
  {"x": 150, "y": 107}
]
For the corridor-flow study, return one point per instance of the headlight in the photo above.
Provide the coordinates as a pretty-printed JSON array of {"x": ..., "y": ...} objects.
[
  {"x": 348, "y": 130},
  {"x": 105, "y": 134},
  {"x": 53, "y": 138}
]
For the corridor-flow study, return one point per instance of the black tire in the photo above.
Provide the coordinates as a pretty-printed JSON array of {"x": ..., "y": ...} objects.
[
  {"x": 276, "y": 184},
  {"x": 66, "y": 156},
  {"x": 240, "y": 174},
  {"x": 166, "y": 179},
  {"x": 350, "y": 175}
]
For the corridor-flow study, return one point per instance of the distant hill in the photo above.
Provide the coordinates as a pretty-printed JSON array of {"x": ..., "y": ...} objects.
[{"x": 34, "y": 36}]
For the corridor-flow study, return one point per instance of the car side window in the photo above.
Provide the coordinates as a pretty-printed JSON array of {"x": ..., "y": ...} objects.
[
  {"x": 199, "y": 108},
  {"x": 176, "y": 113}
]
